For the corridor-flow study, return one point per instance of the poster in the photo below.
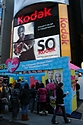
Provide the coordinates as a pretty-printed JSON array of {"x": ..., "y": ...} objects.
[
  {"x": 52, "y": 79},
  {"x": 24, "y": 42}
]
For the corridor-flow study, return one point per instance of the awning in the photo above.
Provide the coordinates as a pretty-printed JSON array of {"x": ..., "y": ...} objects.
[{"x": 74, "y": 67}]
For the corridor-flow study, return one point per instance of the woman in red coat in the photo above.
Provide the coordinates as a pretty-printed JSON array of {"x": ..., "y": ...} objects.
[{"x": 42, "y": 98}]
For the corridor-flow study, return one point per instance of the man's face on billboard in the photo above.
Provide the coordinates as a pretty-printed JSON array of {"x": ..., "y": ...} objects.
[
  {"x": 21, "y": 32},
  {"x": 50, "y": 74}
]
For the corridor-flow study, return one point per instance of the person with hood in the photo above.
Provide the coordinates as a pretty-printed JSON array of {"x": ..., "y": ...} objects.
[{"x": 42, "y": 98}]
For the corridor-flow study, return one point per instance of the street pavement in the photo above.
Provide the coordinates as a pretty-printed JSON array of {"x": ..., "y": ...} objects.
[{"x": 35, "y": 119}]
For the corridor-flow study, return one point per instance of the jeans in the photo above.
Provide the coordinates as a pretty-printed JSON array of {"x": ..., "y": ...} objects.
[
  {"x": 25, "y": 109},
  {"x": 63, "y": 111}
]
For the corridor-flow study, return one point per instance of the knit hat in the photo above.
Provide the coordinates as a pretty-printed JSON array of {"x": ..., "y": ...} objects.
[{"x": 32, "y": 85}]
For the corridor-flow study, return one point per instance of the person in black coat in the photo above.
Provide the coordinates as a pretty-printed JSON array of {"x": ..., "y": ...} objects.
[
  {"x": 15, "y": 93},
  {"x": 25, "y": 99},
  {"x": 32, "y": 97},
  {"x": 60, "y": 103},
  {"x": 77, "y": 89}
]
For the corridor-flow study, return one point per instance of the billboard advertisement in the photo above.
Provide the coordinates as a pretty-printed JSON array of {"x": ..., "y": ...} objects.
[
  {"x": 64, "y": 31},
  {"x": 36, "y": 35},
  {"x": 18, "y": 5}
]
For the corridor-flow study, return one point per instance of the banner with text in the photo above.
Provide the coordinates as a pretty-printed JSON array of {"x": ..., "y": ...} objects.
[{"x": 64, "y": 31}]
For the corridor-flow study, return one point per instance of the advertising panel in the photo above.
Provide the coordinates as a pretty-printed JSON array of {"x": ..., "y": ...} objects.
[
  {"x": 18, "y": 5},
  {"x": 45, "y": 43},
  {"x": 64, "y": 31},
  {"x": 36, "y": 35}
]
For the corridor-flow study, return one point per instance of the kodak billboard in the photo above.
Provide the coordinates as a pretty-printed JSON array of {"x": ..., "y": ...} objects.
[
  {"x": 37, "y": 30},
  {"x": 64, "y": 31}
]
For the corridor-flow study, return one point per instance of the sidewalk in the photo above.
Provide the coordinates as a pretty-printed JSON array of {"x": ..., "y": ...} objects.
[{"x": 36, "y": 119}]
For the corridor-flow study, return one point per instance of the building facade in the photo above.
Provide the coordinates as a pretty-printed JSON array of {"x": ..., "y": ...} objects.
[
  {"x": 6, "y": 23},
  {"x": 76, "y": 30},
  {"x": 75, "y": 17}
]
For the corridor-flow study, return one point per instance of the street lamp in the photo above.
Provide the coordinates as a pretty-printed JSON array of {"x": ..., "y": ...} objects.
[{"x": 2, "y": 5}]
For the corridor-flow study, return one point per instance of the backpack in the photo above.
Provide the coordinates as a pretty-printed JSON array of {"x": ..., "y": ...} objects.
[{"x": 15, "y": 93}]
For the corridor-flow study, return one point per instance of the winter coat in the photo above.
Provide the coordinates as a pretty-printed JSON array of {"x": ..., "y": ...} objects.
[
  {"x": 25, "y": 96},
  {"x": 2, "y": 93},
  {"x": 32, "y": 93},
  {"x": 60, "y": 96},
  {"x": 42, "y": 94},
  {"x": 15, "y": 93}
]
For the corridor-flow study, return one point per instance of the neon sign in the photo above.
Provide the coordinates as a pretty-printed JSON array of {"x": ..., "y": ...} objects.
[{"x": 36, "y": 15}]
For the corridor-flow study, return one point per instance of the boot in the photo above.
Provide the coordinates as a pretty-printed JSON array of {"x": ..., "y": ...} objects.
[
  {"x": 27, "y": 117},
  {"x": 23, "y": 117}
]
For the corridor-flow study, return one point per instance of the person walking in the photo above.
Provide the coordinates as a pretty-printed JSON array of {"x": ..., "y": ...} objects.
[{"x": 60, "y": 103}]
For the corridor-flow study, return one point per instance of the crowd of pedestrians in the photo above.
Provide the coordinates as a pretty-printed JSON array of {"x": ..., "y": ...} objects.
[
  {"x": 22, "y": 96},
  {"x": 27, "y": 98}
]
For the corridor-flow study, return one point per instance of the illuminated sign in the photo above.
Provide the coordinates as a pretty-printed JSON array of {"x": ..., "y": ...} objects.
[
  {"x": 40, "y": 33},
  {"x": 47, "y": 47},
  {"x": 25, "y": 19},
  {"x": 64, "y": 31}
]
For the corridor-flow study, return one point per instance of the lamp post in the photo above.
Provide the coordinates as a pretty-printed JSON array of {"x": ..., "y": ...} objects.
[{"x": 2, "y": 5}]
